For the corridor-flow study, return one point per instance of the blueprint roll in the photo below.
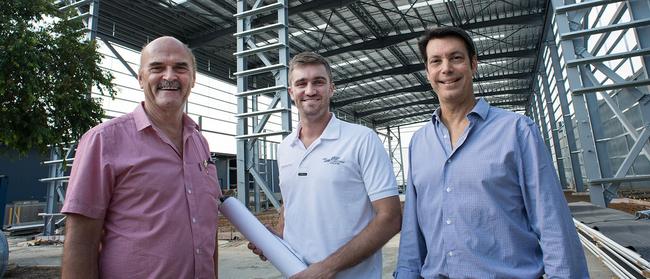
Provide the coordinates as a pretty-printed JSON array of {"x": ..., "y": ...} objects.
[{"x": 274, "y": 248}]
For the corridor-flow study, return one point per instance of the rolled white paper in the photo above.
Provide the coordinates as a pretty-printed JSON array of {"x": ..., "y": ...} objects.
[{"x": 276, "y": 250}]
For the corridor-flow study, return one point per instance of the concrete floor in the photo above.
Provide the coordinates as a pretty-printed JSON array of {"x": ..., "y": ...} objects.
[{"x": 235, "y": 260}]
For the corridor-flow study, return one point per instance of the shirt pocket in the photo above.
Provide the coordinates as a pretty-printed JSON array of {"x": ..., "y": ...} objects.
[{"x": 209, "y": 183}]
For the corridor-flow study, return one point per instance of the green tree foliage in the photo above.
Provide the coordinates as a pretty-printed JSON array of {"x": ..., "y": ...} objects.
[{"x": 47, "y": 70}]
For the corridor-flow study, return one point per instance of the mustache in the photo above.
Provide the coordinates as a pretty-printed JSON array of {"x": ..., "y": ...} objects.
[{"x": 164, "y": 84}]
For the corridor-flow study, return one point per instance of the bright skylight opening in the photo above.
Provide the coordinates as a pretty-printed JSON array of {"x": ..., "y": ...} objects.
[
  {"x": 294, "y": 34},
  {"x": 351, "y": 61},
  {"x": 483, "y": 38},
  {"x": 494, "y": 82},
  {"x": 492, "y": 63},
  {"x": 421, "y": 4},
  {"x": 370, "y": 82}
]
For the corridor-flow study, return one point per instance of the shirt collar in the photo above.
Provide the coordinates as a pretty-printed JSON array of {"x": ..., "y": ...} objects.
[
  {"x": 332, "y": 131},
  {"x": 481, "y": 109},
  {"x": 142, "y": 120},
  {"x": 140, "y": 117}
]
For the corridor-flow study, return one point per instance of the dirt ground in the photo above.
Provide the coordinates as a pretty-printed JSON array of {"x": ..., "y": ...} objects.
[
  {"x": 628, "y": 207},
  {"x": 29, "y": 272}
]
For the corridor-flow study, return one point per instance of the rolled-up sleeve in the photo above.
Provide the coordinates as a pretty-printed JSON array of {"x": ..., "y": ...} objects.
[
  {"x": 412, "y": 248},
  {"x": 91, "y": 179}
]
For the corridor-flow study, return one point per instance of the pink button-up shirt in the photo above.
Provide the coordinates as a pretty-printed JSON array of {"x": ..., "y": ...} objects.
[{"x": 159, "y": 209}]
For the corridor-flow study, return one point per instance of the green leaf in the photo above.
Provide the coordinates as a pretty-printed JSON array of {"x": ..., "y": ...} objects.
[{"x": 46, "y": 72}]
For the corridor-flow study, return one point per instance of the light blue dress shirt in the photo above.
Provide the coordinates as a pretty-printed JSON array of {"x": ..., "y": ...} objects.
[{"x": 491, "y": 208}]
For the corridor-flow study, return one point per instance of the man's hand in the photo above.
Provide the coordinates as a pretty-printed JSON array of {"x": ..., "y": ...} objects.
[
  {"x": 317, "y": 270},
  {"x": 256, "y": 250}
]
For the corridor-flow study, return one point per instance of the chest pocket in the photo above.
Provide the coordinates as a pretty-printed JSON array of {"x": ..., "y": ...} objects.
[{"x": 205, "y": 182}]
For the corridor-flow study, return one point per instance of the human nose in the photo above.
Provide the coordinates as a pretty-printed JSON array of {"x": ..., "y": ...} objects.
[
  {"x": 446, "y": 66},
  {"x": 169, "y": 73},
  {"x": 310, "y": 89}
]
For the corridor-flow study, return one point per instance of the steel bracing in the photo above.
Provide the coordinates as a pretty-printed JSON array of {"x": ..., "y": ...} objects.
[
  {"x": 594, "y": 80},
  {"x": 257, "y": 58}
]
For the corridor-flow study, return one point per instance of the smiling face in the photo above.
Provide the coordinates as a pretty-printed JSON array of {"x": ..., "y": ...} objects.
[
  {"x": 166, "y": 75},
  {"x": 450, "y": 69},
  {"x": 311, "y": 90}
]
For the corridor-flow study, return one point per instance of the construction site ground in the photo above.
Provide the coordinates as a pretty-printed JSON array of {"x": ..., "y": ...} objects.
[{"x": 34, "y": 259}]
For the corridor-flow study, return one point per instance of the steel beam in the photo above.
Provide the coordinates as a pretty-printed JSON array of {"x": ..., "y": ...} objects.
[
  {"x": 207, "y": 37},
  {"x": 400, "y": 70},
  {"x": 566, "y": 115},
  {"x": 119, "y": 57},
  {"x": 539, "y": 110},
  {"x": 379, "y": 122},
  {"x": 434, "y": 100},
  {"x": 416, "y": 88},
  {"x": 559, "y": 158},
  {"x": 385, "y": 41},
  {"x": 413, "y": 68}
]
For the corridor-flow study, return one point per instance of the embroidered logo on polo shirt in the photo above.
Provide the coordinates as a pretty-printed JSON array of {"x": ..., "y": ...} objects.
[{"x": 335, "y": 160}]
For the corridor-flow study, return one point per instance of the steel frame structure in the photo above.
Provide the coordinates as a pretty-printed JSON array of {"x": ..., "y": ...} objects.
[
  {"x": 251, "y": 133},
  {"x": 576, "y": 53},
  {"x": 555, "y": 60}
]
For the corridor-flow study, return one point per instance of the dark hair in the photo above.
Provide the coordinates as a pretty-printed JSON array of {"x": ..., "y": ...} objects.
[
  {"x": 444, "y": 32},
  {"x": 309, "y": 58}
]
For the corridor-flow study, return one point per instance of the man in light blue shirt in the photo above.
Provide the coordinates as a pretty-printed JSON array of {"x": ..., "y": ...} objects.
[{"x": 483, "y": 199}]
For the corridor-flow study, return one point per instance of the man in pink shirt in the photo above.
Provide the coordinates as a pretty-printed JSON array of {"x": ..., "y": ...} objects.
[{"x": 143, "y": 192}]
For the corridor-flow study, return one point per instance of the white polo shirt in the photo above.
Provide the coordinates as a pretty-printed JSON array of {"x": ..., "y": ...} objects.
[{"x": 327, "y": 190}]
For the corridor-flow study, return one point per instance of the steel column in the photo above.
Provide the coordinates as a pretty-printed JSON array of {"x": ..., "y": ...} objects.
[
  {"x": 566, "y": 116},
  {"x": 542, "y": 119},
  {"x": 251, "y": 131},
  {"x": 559, "y": 159}
]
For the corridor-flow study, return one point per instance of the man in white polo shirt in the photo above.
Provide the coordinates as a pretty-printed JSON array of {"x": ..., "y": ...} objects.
[{"x": 340, "y": 197}]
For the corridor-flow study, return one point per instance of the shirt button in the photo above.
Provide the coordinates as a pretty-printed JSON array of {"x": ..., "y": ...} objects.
[
  {"x": 199, "y": 251},
  {"x": 449, "y": 161},
  {"x": 193, "y": 220},
  {"x": 189, "y": 191},
  {"x": 448, "y": 189},
  {"x": 451, "y": 254},
  {"x": 448, "y": 221}
]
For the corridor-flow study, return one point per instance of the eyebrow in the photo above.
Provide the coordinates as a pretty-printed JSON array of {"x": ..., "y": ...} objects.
[
  {"x": 155, "y": 63},
  {"x": 316, "y": 78},
  {"x": 449, "y": 54}
]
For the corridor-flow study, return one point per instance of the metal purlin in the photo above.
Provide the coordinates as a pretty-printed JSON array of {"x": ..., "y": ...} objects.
[
  {"x": 249, "y": 127},
  {"x": 574, "y": 33}
]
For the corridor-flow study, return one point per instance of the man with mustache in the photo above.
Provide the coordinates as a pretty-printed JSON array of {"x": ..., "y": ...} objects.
[
  {"x": 142, "y": 196},
  {"x": 338, "y": 187},
  {"x": 483, "y": 199}
]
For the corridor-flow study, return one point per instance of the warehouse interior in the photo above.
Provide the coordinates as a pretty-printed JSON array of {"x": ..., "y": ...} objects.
[{"x": 578, "y": 69}]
